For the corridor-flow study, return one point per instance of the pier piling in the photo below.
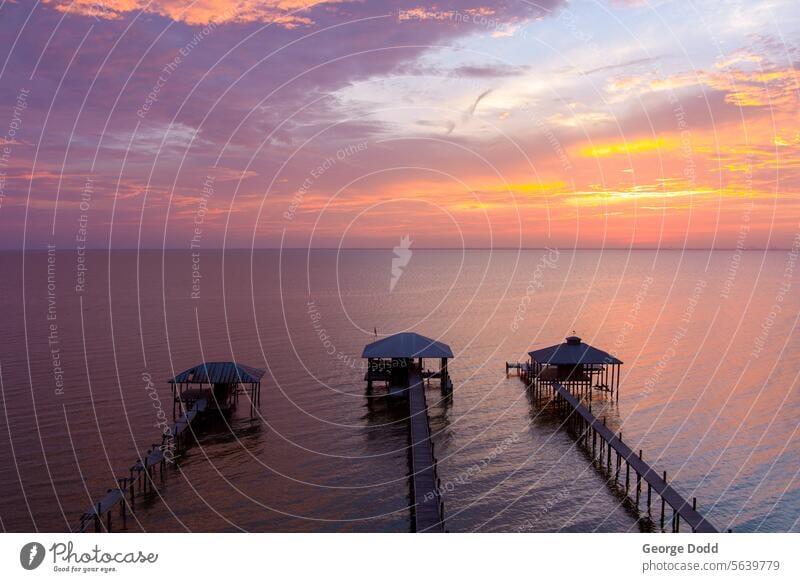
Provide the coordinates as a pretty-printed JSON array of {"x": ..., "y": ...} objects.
[{"x": 633, "y": 461}]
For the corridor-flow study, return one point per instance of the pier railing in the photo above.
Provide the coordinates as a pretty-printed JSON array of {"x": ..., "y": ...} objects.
[
  {"x": 140, "y": 475},
  {"x": 608, "y": 444}
]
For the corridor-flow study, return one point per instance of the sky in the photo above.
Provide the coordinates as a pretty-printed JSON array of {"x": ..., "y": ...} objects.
[{"x": 477, "y": 123}]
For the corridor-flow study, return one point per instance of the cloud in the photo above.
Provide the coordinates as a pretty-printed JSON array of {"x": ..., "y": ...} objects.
[
  {"x": 481, "y": 97},
  {"x": 623, "y": 65},
  {"x": 772, "y": 87},
  {"x": 628, "y": 147},
  {"x": 489, "y": 71},
  {"x": 287, "y": 13}
]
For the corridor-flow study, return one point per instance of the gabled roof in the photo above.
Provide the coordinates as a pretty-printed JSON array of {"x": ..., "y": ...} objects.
[
  {"x": 219, "y": 373},
  {"x": 407, "y": 345},
  {"x": 573, "y": 352}
]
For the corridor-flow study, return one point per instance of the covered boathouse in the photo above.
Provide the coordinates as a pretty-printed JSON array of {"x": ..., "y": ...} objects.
[
  {"x": 575, "y": 364},
  {"x": 396, "y": 358},
  {"x": 219, "y": 384}
]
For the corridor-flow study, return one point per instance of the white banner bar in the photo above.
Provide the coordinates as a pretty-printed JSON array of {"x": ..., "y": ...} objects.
[{"x": 401, "y": 557}]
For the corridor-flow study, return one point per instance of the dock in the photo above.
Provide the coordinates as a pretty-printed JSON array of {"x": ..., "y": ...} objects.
[
  {"x": 428, "y": 510},
  {"x": 398, "y": 361},
  {"x": 522, "y": 368},
  {"x": 140, "y": 475},
  {"x": 210, "y": 386},
  {"x": 591, "y": 428},
  {"x": 571, "y": 372}
]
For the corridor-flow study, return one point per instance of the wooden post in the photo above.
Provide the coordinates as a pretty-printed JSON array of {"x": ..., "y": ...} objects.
[
  {"x": 648, "y": 497},
  {"x": 627, "y": 476},
  {"x": 638, "y": 483},
  {"x": 662, "y": 502},
  {"x": 611, "y": 386}
]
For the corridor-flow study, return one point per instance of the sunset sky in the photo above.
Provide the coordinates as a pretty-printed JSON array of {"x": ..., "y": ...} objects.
[{"x": 151, "y": 123}]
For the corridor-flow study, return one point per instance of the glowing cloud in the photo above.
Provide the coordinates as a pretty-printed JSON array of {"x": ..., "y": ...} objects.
[
  {"x": 198, "y": 12},
  {"x": 628, "y": 147}
]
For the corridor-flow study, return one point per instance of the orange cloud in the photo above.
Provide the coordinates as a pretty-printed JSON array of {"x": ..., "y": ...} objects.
[
  {"x": 198, "y": 12},
  {"x": 628, "y": 147},
  {"x": 757, "y": 88}
]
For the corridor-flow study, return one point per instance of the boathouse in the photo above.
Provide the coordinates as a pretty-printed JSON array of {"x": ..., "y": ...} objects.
[
  {"x": 393, "y": 359},
  {"x": 575, "y": 364},
  {"x": 218, "y": 383}
]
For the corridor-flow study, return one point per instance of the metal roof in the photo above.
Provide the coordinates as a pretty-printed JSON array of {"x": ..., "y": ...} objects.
[
  {"x": 407, "y": 345},
  {"x": 219, "y": 373},
  {"x": 573, "y": 352}
]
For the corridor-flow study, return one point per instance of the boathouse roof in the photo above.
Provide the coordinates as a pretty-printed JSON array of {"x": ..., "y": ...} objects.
[
  {"x": 219, "y": 373},
  {"x": 572, "y": 352},
  {"x": 407, "y": 345}
]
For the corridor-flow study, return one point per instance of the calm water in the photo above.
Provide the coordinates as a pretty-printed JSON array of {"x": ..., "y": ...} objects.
[{"x": 709, "y": 391}]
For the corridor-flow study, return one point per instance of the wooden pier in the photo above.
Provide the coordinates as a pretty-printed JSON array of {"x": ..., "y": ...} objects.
[
  {"x": 218, "y": 387},
  {"x": 399, "y": 362},
  {"x": 428, "y": 510},
  {"x": 141, "y": 476},
  {"x": 571, "y": 372},
  {"x": 603, "y": 444},
  {"x": 522, "y": 368}
]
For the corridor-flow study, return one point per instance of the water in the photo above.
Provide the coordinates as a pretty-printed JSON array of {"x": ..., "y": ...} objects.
[{"x": 709, "y": 387}]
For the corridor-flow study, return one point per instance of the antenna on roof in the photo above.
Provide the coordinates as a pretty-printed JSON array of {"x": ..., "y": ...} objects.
[{"x": 375, "y": 331}]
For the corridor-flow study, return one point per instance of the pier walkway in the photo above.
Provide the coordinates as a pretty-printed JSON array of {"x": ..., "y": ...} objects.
[
  {"x": 140, "y": 473},
  {"x": 428, "y": 514},
  {"x": 588, "y": 425}
]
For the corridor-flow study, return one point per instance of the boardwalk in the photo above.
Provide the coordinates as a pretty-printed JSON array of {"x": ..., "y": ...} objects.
[
  {"x": 141, "y": 473},
  {"x": 428, "y": 514},
  {"x": 681, "y": 507}
]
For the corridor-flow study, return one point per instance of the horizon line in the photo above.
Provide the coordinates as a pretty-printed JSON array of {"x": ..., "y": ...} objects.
[{"x": 544, "y": 248}]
